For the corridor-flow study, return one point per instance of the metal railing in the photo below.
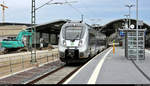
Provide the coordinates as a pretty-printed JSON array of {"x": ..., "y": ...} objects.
[{"x": 10, "y": 64}]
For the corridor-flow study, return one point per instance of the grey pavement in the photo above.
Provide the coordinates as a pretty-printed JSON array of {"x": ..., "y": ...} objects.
[
  {"x": 144, "y": 65},
  {"x": 83, "y": 76},
  {"x": 116, "y": 69}
]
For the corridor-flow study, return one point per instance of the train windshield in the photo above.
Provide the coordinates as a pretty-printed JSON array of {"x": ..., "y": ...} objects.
[{"x": 73, "y": 33}]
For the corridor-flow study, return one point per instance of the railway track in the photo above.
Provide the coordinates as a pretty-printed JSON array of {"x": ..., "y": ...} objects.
[
  {"x": 43, "y": 76},
  {"x": 61, "y": 74},
  {"x": 52, "y": 73},
  {"x": 58, "y": 76}
]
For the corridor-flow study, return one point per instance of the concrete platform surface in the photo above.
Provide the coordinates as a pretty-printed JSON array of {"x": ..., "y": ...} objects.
[{"x": 109, "y": 68}]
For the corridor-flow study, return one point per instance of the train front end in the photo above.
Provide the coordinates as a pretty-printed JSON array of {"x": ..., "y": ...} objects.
[{"x": 73, "y": 42}]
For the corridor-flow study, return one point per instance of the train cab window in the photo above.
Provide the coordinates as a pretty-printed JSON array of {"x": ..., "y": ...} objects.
[{"x": 73, "y": 33}]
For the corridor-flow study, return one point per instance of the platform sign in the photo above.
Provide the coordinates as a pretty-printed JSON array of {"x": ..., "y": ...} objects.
[{"x": 122, "y": 34}]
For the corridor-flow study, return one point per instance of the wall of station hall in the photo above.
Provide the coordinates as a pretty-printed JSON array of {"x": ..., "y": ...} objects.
[{"x": 48, "y": 38}]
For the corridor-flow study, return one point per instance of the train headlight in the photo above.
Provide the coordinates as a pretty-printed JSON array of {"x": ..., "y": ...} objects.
[
  {"x": 64, "y": 42},
  {"x": 80, "y": 42}
]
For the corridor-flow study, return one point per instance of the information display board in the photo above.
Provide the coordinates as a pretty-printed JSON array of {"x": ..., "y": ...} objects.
[{"x": 131, "y": 44}]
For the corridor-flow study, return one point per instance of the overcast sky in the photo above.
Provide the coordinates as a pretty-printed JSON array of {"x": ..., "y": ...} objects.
[{"x": 104, "y": 10}]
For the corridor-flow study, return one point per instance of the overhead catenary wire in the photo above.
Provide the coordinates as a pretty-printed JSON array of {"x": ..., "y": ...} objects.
[
  {"x": 81, "y": 13},
  {"x": 66, "y": 2},
  {"x": 76, "y": 9},
  {"x": 93, "y": 14},
  {"x": 43, "y": 5},
  {"x": 69, "y": 4}
]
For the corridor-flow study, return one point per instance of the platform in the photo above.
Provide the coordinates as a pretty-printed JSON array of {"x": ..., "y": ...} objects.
[{"x": 109, "y": 68}]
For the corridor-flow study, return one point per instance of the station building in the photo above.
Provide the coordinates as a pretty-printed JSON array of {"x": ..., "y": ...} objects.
[{"x": 50, "y": 31}]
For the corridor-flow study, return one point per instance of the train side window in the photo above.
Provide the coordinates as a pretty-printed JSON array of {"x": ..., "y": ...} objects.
[{"x": 92, "y": 38}]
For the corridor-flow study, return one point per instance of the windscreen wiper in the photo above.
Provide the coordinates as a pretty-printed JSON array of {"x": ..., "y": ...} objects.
[{"x": 75, "y": 38}]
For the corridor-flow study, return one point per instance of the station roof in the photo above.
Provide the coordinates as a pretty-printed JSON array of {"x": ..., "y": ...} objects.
[
  {"x": 108, "y": 29},
  {"x": 112, "y": 26},
  {"x": 51, "y": 27}
]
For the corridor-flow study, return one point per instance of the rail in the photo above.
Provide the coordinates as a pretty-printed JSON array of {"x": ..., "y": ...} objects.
[{"x": 12, "y": 63}]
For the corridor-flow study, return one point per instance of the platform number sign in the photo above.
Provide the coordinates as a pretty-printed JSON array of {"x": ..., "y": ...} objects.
[{"x": 122, "y": 34}]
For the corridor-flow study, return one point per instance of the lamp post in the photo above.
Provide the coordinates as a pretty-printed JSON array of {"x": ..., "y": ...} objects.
[
  {"x": 129, "y": 6},
  {"x": 137, "y": 28},
  {"x": 126, "y": 21}
]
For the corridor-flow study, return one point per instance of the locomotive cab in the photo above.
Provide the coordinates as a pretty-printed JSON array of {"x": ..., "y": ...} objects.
[{"x": 72, "y": 42}]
